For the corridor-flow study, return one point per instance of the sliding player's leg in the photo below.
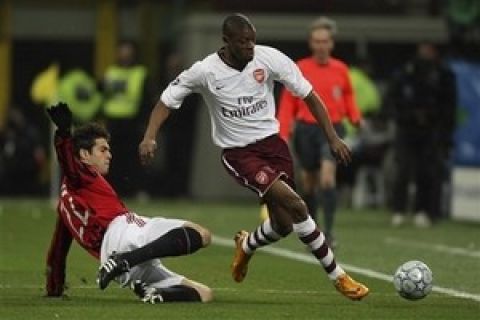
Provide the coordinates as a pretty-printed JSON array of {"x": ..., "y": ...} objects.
[
  {"x": 153, "y": 283},
  {"x": 154, "y": 238},
  {"x": 308, "y": 232}
]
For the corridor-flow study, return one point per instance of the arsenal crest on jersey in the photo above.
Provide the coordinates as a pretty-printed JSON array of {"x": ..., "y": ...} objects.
[
  {"x": 259, "y": 75},
  {"x": 261, "y": 177}
]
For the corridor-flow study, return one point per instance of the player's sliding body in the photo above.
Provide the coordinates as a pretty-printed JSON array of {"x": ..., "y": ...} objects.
[
  {"x": 90, "y": 211},
  {"x": 237, "y": 85}
]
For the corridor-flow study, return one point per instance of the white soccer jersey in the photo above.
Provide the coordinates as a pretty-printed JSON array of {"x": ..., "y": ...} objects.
[{"x": 241, "y": 103}]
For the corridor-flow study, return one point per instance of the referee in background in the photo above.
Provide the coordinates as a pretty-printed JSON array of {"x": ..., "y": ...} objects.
[{"x": 330, "y": 79}]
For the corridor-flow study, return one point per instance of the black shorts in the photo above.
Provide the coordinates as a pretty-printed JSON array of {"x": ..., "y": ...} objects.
[{"x": 311, "y": 145}]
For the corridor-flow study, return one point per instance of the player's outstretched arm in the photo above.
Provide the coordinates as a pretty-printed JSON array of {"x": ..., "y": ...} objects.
[
  {"x": 61, "y": 116},
  {"x": 318, "y": 110},
  {"x": 148, "y": 145}
]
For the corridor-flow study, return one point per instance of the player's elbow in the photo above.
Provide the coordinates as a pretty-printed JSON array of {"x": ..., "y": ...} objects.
[
  {"x": 205, "y": 234},
  {"x": 311, "y": 97}
]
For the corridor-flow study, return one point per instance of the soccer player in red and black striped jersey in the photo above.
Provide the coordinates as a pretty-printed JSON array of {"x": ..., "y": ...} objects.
[
  {"x": 90, "y": 211},
  {"x": 329, "y": 78}
]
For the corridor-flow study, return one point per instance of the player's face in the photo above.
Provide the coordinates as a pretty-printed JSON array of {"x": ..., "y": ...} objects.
[
  {"x": 100, "y": 156},
  {"x": 321, "y": 43},
  {"x": 242, "y": 44}
]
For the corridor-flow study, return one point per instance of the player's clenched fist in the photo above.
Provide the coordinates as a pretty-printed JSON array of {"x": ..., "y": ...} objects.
[
  {"x": 61, "y": 116},
  {"x": 147, "y": 150},
  {"x": 340, "y": 150}
]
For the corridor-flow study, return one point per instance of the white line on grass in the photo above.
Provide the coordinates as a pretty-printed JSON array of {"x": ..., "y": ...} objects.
[
  {"x": 230, "y": 289},
  {"x": 433, "y": 247},
  {"x": 225, "y": 289},
  {"x": 302, "y": 257}
]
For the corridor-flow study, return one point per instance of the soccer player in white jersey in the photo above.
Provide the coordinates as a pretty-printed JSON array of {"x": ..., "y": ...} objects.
[{"x": 237, "y": 85}]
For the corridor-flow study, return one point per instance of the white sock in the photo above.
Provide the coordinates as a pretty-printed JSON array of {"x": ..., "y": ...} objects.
[{"x": 310, "y": 235}]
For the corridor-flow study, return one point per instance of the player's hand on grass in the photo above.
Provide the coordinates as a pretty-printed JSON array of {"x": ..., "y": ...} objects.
[
  {"x": 57, "y": 296},
  {"x": 147, "y": 150},
  {"x": 55, "y": 289},
  {"x": 55, "y": 285},
  {"x": 61, "y": 116},
  {"x": 60, "y": 297},
  {"x": 341, "y": 151}
]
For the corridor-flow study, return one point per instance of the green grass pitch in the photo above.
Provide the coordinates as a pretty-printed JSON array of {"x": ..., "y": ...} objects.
[{"x": 276, "y": 287}]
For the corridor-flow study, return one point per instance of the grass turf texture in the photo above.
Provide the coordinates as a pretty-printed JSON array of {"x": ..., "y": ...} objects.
[{"x": 275, "y": 287}]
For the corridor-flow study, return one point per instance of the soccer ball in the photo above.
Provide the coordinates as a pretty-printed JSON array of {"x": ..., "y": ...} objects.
[{"x": 413, "y": 280}]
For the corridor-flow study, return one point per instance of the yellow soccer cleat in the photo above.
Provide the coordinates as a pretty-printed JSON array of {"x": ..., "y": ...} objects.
[
  {"x": 351, "y": 288},
  {"x": 240, "y": 260},
  {"x": 263, "y": 212}
]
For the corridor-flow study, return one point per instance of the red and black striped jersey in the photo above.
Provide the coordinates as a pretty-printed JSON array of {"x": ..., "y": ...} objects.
[{"x": 87, "y": 201}]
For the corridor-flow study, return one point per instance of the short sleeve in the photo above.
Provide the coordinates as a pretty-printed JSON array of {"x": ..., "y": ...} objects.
[
  {"x": 187, "y": 82},
  {"x": 287, "y": 72}
]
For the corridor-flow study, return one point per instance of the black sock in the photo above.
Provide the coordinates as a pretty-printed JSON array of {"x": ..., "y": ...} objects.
[
  {"x": 329, "y": 207},
  {"x": 176, "y": 242},
  {"x": 311, "y": 201},
  {"x": 180, "y": 294}
]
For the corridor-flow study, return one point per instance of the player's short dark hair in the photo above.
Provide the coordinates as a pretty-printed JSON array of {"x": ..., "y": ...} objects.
[
  {"x": 235, "y": 23},
  {"x": 84, "y": 136}
]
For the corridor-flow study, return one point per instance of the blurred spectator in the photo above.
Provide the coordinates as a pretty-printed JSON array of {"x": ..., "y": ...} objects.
[
  {"x": 126, "y": 107},
  {"x": 369, "y": 145},
  {"x": 463, "y": 17},
  {"x": 23, "y": 157},
  {"x": 422, "y": 98},
  {"x": 79, "y": 90},
  {"x": 44, "y": 88},
  {"x": 368, "y": 99},
  {"x": 330, "y": 79}
]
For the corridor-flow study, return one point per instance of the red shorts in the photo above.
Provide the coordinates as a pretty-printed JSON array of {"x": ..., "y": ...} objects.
[{"x": 258, "y": 165}]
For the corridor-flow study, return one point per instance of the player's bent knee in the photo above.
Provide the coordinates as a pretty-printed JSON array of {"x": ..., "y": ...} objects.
[
  {"x": 327, "y": 175},
  {"x": 284, "y": 231},
  {"x": 206, "y": 294},
  {"x": 206, "y": 237},
  {"x": 309, "y": 182},
  {"x": 283, "y": 228},
  {"x": 297, "y": 209},
  {"x": 205, "y": 234},
  {"x": 327, "y": 183}
]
